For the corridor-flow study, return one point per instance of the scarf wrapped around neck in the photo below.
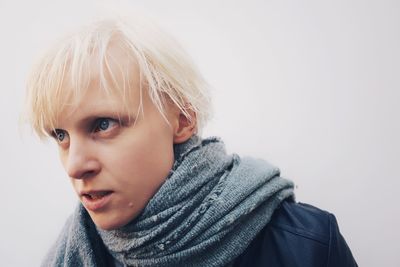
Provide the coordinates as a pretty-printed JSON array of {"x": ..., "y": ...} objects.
[{"x": 211, "y": 206}]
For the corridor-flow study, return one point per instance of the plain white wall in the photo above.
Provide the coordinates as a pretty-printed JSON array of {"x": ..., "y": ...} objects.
[{"x": 311, "y": 86}]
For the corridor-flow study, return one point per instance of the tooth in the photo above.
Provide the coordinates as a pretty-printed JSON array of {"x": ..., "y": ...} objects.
[{"x": 97, "y": 195}]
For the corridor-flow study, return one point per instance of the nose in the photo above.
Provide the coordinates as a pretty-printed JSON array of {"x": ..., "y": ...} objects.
[{"x": 81, "y": 160}]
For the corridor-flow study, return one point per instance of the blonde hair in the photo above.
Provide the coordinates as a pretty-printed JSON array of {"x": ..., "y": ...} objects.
[{"x": 165, "y": 70}]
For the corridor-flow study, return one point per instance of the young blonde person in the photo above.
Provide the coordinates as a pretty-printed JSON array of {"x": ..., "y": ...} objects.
[{"x": 126, "y": 107}]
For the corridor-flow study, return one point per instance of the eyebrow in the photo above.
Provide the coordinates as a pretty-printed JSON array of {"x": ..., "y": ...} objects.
[{"x": 122, "y": 117}]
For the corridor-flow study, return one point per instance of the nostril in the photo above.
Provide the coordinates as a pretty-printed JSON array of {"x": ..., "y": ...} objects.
[
  {"x": 88, "y": 174},
  {"x": 82, "y": 173}
]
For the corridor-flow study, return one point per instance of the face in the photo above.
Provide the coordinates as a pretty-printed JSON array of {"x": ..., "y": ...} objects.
[{"x": 116, "y": 160}]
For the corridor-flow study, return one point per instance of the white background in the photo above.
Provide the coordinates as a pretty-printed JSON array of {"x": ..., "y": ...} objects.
[{"x": 311, "y": 86}]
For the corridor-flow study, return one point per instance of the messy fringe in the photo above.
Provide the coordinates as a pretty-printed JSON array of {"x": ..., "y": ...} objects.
[{"x": 166, "y": 72}]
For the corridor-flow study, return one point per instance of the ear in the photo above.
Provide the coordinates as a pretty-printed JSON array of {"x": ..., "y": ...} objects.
[{"x": 186, "y": 127}]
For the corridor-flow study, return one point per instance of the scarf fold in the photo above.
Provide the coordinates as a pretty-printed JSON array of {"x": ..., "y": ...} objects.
[{"x": 211, "y": 206}]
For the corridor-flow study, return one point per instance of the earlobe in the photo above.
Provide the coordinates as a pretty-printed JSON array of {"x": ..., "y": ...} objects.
[{"x": 186, "y": 128}]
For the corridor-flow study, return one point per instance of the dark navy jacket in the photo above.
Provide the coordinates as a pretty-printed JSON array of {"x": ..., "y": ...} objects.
[{"x": 299, "y": 235}]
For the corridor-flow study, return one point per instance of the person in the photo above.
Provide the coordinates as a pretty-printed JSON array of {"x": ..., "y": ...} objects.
[{"x": 126, "y": 107}]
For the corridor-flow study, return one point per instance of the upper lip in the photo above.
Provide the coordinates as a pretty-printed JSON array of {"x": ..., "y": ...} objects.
[{"x": 93, "y": 192}]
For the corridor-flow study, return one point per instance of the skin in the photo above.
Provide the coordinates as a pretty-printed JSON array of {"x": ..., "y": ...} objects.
[{"x": 104, "y": 147}]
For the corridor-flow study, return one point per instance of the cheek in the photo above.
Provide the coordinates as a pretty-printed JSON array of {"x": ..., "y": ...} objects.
[
  {"x": 144, "y": 161},
  {"x": 75, "y": 184},
  {"x": 62, "y": 156},
  {"x": 150, "y": 162}
]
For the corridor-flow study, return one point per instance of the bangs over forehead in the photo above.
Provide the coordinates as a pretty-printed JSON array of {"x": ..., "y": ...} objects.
[{"x": 63, "y": 75}]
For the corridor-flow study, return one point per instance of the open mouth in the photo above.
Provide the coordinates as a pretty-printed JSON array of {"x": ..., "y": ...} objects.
[
  {"x": 96, "y": 200},
  {"x": 96, "y": 195}
]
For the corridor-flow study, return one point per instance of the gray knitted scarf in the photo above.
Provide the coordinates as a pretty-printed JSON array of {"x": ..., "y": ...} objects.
[{"x": 211, "y": 206}]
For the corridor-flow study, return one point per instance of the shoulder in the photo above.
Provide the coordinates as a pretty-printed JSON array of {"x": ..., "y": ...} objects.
[
  {"x": 302, "y": 220},
  {"x": 298, "y": 235}
]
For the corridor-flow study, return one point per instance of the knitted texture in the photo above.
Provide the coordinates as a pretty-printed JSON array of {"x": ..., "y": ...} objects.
[{"x": 211, "y": 206}]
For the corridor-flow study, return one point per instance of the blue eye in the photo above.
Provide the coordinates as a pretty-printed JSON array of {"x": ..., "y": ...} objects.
[
  {"x": 59, "y": 135},
  {"x": 104, "y": 124}
]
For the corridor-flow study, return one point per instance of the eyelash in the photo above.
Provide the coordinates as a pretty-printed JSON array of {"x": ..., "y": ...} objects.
[
  {"x": 99, "y": 121},
  {"x": 95, "y": 128}
]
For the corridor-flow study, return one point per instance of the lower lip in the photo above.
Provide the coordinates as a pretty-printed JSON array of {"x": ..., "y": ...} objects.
[{"x": 96, "y": 204}]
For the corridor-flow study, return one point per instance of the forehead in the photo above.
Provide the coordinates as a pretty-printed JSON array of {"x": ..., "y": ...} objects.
[
  {"x": 94, "y": 104},
  {"x": 105, "y": 81}
]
